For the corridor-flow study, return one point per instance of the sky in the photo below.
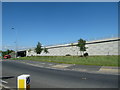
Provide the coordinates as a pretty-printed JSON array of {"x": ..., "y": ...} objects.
[{"x": 52, "y": 23}]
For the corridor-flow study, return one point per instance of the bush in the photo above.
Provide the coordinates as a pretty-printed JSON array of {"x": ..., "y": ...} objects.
[
  {"x": 85, "y": 54},
  {"x": 67, "y": 55}
]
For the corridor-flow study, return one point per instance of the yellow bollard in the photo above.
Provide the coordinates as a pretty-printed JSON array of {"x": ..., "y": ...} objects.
[{"x": 23, "y": 82}]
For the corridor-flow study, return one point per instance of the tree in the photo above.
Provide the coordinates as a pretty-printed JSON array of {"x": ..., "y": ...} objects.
[
  {"x": 7, "y": 52},
  {"x": 46, "y": 50},
  {"x": 81, "y": 44},
  {"x": 38, "y": 49},
  {"x": 4, "y": 53},
  {"x": 29, "y": 50}
]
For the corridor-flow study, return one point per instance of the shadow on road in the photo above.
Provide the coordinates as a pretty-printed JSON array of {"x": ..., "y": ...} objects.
[{"x": 7, "y": 77}]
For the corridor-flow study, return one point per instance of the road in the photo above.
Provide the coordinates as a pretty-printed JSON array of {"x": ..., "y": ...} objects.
[{"x": 51, "y": 78}]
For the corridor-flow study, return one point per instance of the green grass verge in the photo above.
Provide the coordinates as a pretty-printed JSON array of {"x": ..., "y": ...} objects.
[{"x": 90, "y": 60}]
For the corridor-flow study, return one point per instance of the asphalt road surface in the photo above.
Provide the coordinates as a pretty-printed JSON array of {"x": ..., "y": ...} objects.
[{"x": 51, "y": 78}]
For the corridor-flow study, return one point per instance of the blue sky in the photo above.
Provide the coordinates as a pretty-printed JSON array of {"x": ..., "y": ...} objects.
[{"x": 54, "y": 23}]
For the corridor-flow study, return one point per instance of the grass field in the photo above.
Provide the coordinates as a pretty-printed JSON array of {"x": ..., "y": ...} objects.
[{"x": 90, "y": 60}]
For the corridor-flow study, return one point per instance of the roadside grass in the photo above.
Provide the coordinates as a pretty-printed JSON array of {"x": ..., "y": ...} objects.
[{"x": 90, "y": 60}]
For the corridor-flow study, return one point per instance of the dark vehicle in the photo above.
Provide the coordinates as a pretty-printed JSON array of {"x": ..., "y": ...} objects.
[{"x": 7, "y": 56}]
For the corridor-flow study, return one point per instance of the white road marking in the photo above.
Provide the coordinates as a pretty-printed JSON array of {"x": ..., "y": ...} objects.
[
  {"x": 5, "y": 87},
  {"x": 4, "y": 81}
]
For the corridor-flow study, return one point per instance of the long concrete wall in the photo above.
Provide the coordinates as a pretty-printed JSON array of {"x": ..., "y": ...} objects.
[{"x": 98, "y": 47}]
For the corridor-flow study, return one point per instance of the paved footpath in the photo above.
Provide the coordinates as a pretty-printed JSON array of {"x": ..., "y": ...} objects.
[{"x": 74, "y": 67}]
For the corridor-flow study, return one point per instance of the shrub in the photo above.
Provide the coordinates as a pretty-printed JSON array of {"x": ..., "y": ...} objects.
[
  {"x": 85, "y": 54},
  {"x": 67, "y": 55}
]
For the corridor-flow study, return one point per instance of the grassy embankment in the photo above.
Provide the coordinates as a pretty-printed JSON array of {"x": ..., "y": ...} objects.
[{"x": 90, "y": 60}]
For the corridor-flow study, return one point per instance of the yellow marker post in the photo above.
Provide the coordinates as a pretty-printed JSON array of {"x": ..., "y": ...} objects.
[{"x": 23, "y": 82}]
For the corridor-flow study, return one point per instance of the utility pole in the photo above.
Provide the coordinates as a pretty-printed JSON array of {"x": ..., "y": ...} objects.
[{"x": 15, "y": 43}]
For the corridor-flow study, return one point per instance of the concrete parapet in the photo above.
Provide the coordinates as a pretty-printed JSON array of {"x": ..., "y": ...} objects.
[{"x": 97, "y": 47}]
